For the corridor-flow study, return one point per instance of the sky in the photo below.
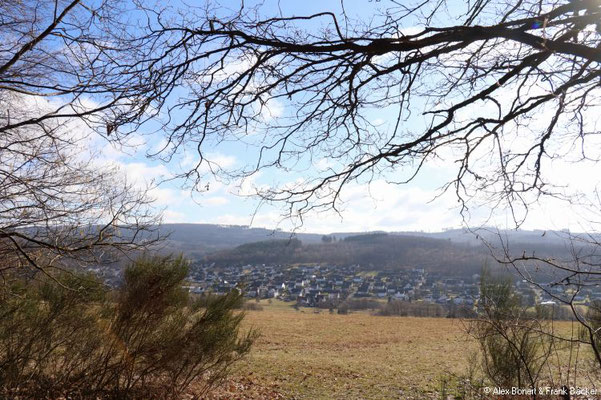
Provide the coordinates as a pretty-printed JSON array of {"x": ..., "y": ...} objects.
[{"x": 416, "y": 206}]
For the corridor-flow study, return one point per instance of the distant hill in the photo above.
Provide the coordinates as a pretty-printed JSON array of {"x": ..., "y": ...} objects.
[
  {"x": 376, "y": 251},
  {"x": 198, "y": 240},
  {"x": 459, "y": 251}
]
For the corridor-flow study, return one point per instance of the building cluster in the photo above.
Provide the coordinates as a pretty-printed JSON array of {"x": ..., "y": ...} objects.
[
  {"x": 555, "y": 293},
  {"x": 310, "y": 285},
  {"x": 314, "y": 285}
]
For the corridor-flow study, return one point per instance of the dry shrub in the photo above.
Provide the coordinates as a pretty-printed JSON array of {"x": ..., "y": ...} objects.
[
  {"x": 71, "y": 337},
  {"x": 405, "y": 308},
  {"x": 513, "y": 341},
  {"x": 248, "y": 306}
]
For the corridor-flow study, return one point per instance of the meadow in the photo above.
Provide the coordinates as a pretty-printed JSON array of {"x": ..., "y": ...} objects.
[
  {"x": 314, "y": 354},
  {"x": 307, "y": 355}
]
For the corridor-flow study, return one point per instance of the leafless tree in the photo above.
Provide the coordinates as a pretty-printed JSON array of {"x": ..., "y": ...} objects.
[
  {"x": 500, "y": 88},
  {"x": 504, "y": 86},
  {"x": 60, "y": 208},
  {"x": 63, "y": 51},
  {"x": 471, "y": 78}
]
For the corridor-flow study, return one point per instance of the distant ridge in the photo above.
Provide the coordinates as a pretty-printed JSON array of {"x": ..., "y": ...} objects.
[
  {"x": 372, "y": 251},
  {"x": 201, "y": 239},
  {"x": 457, "y": 249}
]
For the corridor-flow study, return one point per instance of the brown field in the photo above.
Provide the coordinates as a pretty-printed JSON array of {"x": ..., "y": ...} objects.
[
  {"x": 308, "y": 355},
  {"x": 304, "y": 355}
]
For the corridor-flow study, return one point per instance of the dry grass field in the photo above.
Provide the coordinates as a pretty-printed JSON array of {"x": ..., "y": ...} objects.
[
  {"x": 308, "y": 355},
  {"x": 305, "y": 355}
]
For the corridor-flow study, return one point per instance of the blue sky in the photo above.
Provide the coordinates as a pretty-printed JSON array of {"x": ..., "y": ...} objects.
[{"x": 376, "y": 206}]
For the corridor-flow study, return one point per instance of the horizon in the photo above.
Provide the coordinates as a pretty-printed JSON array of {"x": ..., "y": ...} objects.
[{"x": 443, "y": 230}]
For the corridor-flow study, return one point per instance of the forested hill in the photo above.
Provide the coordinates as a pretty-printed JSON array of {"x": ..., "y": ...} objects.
[
  {"x": 456, "y": 250},
  {"x": 202, "y": 239},
  {"x": 371, "y": 251}
]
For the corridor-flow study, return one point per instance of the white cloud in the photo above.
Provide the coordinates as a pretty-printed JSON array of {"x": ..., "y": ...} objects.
[
  {"x": 382, "y": 206},
  {"x": 323, "y": 164},
  {"x": 170, "y": 216},
  {"x": 272, "y": 109},
  {"x": 247, "y": 186},
  {"x": 142, "y": 174},
  {"x": 214, "y": 201},
  {"x": 169, "y": 197},
  {"x": 223, "y": 160}
]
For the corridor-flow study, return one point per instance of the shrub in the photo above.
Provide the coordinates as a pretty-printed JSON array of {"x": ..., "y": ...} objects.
[
  {"x": 343, "y": 309},
  {"x": 148, "y": 340},
  {"x": 404, "y": 308},
  {"x": 248, "y": 306},
  {"x": 49, "y": 335},
  {"x": 512, "y": 339},
  {"x": 328, "y": 303},
  {"x": 362, "y": 304}
]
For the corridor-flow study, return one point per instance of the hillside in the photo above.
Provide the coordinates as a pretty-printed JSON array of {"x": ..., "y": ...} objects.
[
  {"x": 453, "y": 251},
  {"x": 197, "y": 240},
  {"x": 205, "y": 238},
  {"x": 378, "y": 251}
]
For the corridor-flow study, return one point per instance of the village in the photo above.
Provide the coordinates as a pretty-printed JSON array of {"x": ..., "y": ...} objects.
[
  {"x": 313, "y": 285},
  {"x": 316, "y": 285}
]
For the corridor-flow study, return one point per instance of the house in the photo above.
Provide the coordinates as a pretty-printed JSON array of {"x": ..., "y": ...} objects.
[{"x": 400, "y": 296}]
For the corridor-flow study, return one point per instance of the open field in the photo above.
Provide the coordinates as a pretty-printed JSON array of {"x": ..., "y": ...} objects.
[
  {"x": 308, "y": 355},
  {"x": 304, "y": 355}
]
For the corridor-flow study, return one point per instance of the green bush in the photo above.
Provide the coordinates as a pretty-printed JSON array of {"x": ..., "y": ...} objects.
[
  {"x": 512, "y": 338},
  {"x": 49, "y": 333},
  {"x": 71, "y": 337}
]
